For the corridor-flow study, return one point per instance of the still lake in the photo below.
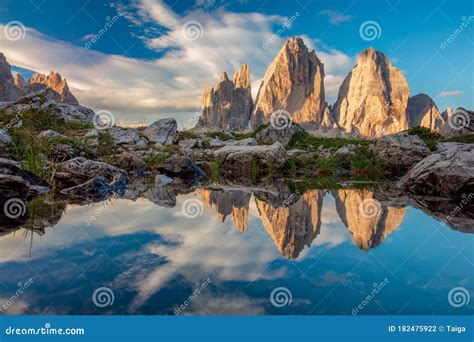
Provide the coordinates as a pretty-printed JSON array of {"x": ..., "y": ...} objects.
[{"x": 228, "y": 252}]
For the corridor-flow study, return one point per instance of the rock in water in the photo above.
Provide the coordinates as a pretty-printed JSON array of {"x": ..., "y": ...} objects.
[
  {"x": 422, "y": 111},
  {"x": 163, "y": 131},
  {"x": 294, "y": 82},
  {"x": 56, "y": 87},
  {"x": 373, "y": 98},
  {"x": 446, "y": 173},
  {"x": 229, "y": 104},
  {"x": 8, "y": 90}
]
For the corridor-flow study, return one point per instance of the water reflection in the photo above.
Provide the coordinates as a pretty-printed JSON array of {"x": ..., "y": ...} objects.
[{"x": 247, "y": 241}]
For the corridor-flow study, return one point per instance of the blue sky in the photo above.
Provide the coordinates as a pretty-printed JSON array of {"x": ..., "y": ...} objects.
[{"x": 143, "y": 65}]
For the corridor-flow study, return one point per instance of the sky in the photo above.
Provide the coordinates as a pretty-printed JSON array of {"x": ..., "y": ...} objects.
[{"x": 149, "y": 59}]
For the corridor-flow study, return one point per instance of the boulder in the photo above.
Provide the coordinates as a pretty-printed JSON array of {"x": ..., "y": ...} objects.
[
  {"x": 163, "y": 131},
  {"x": 128, "y": 161},
  {"x": 241, "y": 142},
  {"x": 400, "y": 150},
  {"x": 181, "y": 167},
  {"x": 270, "y": 134},
  {"x": 50, "y": 134},
  {"x": 79, "y": 169},
  {"x": 18, "y": 183},
  {"x": 445, "y": 173},
  {"x": 5, "y": 138},
  {"x": 241, "y": 160},
  {"x": 127, "y": 136}
]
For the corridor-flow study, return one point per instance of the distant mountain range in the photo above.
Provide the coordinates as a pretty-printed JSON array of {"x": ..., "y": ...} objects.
[{"x": 373, "y": 100}]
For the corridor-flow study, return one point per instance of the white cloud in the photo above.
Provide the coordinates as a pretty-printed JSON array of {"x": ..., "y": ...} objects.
[
  {"x": 449, "y": 93},
  {"x": 87, "y": 37},
  {"x": 335, "y": 17},
  {"x": 172, "y": 85}
]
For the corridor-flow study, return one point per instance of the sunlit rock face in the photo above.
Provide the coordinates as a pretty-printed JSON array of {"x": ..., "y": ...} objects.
[
  {"x": 373, "y": 98},
  {"x": 422, "y": 111},
  {"x": 293, "y": 82},
  {"x": 233, "y": 203},
  {"x": 295, "y": 226},
  {"x": 229, "y": 104},
  {"x": 56, "y": 87},
  {"x": 367, "y": 220}
]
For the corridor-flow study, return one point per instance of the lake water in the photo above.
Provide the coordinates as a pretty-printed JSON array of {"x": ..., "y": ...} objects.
[{"x": 235, "y": 252}]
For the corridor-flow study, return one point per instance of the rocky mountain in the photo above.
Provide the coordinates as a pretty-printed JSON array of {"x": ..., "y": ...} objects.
[
  {"x": 52, "y": 86},
  {"x": 460, "y": 122},
  {"x": 422, "y": 111},
  {"x": 8, "y": 89},
  {"x": 293, "y": 82},
  {"x": 295, "y": 226},
  {"x": 233, "y": 203},
  {"x": 367, "y": 220},
  {"x": 373, "y": 98},
  {"x": 56, "y": 87},
  {"x": 229, "y": 104}
]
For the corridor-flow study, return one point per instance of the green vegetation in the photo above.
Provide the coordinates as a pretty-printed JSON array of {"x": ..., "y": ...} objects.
[
  {"x": 430, "y": 138},
  {"x": 187, "y": 135},
  {"x": 327, "y": 165},
  {"x": 306, "y": 141},
  {"x": 155, "y": 161},
  {"x": 364, "y": 163},
  {"x": 214, "y": 171},
  {"x": 465, "y": 139}
]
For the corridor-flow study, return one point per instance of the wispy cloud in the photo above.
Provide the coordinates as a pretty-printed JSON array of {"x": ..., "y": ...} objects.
[
  {"x": 335, "y": 17},
  {"x": 449, "y": 93},
  {"x": 87, "y": 37}
]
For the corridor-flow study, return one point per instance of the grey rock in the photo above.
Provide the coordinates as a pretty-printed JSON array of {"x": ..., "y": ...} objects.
[
  {"x": 239, "y": 160},
  {"x": 449, "y": 172},
  {"x": 80, "y": 169},
  {"x": 241, "y": 142},
  {"x": 127, "y": 136},
  {"x": 270, "y": 134},
  {"x": 163, "y": 131},
  {"x": 400, "y": 150},
  {"x": 50, "y": 134},
  {"x": 5, "y": 138}
]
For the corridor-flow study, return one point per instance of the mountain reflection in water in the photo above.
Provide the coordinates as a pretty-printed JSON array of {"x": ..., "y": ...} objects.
[{"x": 246, "y": 241}]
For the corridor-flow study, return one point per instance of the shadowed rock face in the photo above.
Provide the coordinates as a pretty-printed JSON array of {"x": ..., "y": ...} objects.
[
  {"x": 422, "y": 111},
  {"x": 8, "y": 89},
  {"x": 367, "y": 220},
  {"x": 233, "y": 203},
  {"x": 293, "y": 82},
  {"x": 293, "y": 227},
  {"x": 373, "y": 98},
  {"x": 229, "y": 104}
]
